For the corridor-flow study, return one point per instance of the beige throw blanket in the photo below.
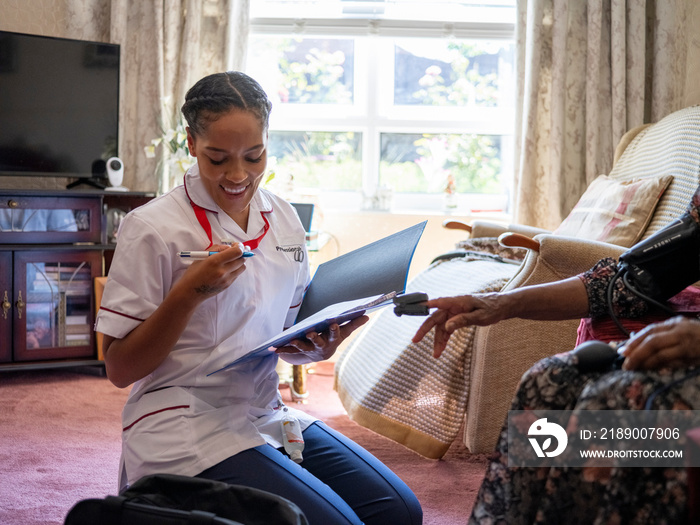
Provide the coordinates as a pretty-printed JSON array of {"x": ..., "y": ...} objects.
[{"x": 395, "y": 387}]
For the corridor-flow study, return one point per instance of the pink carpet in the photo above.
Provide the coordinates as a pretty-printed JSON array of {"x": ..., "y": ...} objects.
[{"x": 60, "y": 442}]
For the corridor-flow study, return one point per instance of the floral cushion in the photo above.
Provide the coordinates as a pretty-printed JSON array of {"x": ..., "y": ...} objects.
[{"x": 613, "y": 211}]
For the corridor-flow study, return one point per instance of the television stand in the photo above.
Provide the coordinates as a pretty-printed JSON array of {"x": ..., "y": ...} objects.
[
  {"x": 51, "y": 270},
  {"x": 89, "y": 182}
]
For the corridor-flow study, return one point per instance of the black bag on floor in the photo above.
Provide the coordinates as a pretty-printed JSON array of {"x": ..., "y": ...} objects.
[
  {"x": 117, "y": 510},
  {"x": 168, "y": 499}
]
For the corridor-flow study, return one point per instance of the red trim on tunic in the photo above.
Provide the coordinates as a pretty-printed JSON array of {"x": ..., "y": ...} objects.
[
  {"x": 254, "y": 243},
  {"x": 119, "y": 313},
  {"x": 154, "y": 413},
  {"x": 201, "y": 215}
]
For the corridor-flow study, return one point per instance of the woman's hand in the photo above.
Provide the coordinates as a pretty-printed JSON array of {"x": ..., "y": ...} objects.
[
  {"x": 674, "y": 343},
  {"x": 457, "y": 312},
  {"x": 208, "y": 277},
  {"x": 143, "y": 349},
  {"x": 319, "y": 346}
]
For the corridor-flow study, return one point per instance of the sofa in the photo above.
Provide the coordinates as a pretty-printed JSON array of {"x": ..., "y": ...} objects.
[{"x": 395, "y": 387}]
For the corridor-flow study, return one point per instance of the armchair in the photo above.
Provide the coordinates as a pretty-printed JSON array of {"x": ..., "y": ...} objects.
[{"x": 397, "y": 389}]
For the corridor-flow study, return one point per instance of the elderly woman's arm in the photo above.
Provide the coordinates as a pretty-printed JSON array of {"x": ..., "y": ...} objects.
[
  {"x": 597, "y": 282},
  {"x": 566, "y": 299}
]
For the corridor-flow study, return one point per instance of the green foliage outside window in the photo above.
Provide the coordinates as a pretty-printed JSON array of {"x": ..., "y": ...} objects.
[
  {"x": 465, "y": 86},
  {"x": 318, "y": 79},
  {"x": 312, "y": 71},
  {"x": 322, "y": 160},
  {"x": 472, "y": 161}
]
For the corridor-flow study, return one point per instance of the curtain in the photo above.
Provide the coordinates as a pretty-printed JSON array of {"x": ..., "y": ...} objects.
[
  {"x": 166, "y": 46},
  {"x": 588, "y": 71}
]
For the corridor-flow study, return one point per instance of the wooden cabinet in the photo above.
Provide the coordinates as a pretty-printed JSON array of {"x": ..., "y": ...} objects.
[
  {"x": 49, "y": 219},
  {"x": 52, "y": 304},
  {"x": 52, "y": 248},
  {"x": 6, "y": 298}
]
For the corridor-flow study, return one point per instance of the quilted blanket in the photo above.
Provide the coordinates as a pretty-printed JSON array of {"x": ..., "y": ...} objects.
[{"x": 395, "y": 387}]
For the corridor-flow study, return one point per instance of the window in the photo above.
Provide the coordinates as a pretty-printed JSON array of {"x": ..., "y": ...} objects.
[{"x": 400, "y": 103}]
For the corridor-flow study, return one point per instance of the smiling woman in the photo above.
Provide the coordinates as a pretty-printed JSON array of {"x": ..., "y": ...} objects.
[
  {"x": 232, "y": 157},
  {"x": 168, "y": 321},
  {"x": 231, "y": 144}
]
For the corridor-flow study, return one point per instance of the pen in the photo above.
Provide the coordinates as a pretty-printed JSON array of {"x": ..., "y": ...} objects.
[{"x": 204, "y": 255}]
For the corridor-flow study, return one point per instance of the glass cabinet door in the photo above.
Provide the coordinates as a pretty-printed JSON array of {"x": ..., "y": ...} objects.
[
  {"x": 25, "y": 219},
  {"x": 5, "y": 307},
  {"x": 53, "y": 304}
]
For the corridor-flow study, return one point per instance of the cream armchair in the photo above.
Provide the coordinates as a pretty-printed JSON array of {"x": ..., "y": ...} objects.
[
  {"x": 395, "y": 388},
  {"x": 671, "y": 146}
]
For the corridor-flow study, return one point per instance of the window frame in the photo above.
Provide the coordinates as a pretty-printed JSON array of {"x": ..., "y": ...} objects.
[{"x": 373, "y": 116}]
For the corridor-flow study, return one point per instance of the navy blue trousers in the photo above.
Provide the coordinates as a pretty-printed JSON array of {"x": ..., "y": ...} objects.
[{"x": 338, "y": 482}]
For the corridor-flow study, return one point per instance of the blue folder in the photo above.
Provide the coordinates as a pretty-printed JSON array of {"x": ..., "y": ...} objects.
[{"x": 348, "y": 286}]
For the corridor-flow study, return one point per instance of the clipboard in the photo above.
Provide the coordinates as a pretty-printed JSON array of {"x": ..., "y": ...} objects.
[
  {"x": 377, "y": 268},
  {"x": 336, "y": 313},
  {"x": 348, "y": 286}
]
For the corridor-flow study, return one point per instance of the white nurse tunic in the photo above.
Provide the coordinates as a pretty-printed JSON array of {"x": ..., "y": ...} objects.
[{"x": 179, "y": 419}]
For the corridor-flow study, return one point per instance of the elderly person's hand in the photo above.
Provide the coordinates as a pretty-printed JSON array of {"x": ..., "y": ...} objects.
[
  {"x": 457, "y": 312},
  {"x": 565, "y": 299},
  {"x": 319, "y": 346},
  {"x": 674, "y": 343}
]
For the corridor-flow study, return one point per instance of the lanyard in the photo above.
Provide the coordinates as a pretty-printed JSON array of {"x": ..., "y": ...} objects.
[{"x": 201, "y": 215}]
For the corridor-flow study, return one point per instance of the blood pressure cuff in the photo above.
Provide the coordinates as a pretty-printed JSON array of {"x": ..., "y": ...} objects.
[{"x": 665, "y": 263}]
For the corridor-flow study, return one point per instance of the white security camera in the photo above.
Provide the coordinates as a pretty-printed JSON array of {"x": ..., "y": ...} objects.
[{"x": 115, "y": 172}]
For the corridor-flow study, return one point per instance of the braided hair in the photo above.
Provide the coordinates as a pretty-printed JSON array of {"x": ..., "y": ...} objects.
[{"x": 219, "y": 93}]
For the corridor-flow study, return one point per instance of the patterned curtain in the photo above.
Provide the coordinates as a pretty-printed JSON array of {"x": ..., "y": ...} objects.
[
  {"x": 587, "y": 72},
  {"x": 167, "y": 45}
]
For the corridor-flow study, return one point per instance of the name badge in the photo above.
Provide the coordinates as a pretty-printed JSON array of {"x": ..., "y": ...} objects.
[{"x": 297, "y": 250}]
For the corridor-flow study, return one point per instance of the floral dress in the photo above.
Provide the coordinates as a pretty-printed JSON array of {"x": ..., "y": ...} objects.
[{"x": 573, "y": 495}]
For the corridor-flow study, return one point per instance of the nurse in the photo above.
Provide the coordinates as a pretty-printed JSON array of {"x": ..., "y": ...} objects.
[{"x": 169, "y": 321}]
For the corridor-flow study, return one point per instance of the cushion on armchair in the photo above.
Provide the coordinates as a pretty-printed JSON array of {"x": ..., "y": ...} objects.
[{"x": 615, "y": 211}]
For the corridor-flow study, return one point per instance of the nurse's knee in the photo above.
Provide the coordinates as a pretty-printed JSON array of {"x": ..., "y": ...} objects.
[{"x": 400, "y": 507}]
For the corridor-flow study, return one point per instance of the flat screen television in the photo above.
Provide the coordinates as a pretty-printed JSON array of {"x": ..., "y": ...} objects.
[{"x": 59, "y": 106}]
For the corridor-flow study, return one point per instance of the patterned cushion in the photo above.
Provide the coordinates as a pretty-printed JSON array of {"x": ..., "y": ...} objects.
[{"x": 615, "y": 211}]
